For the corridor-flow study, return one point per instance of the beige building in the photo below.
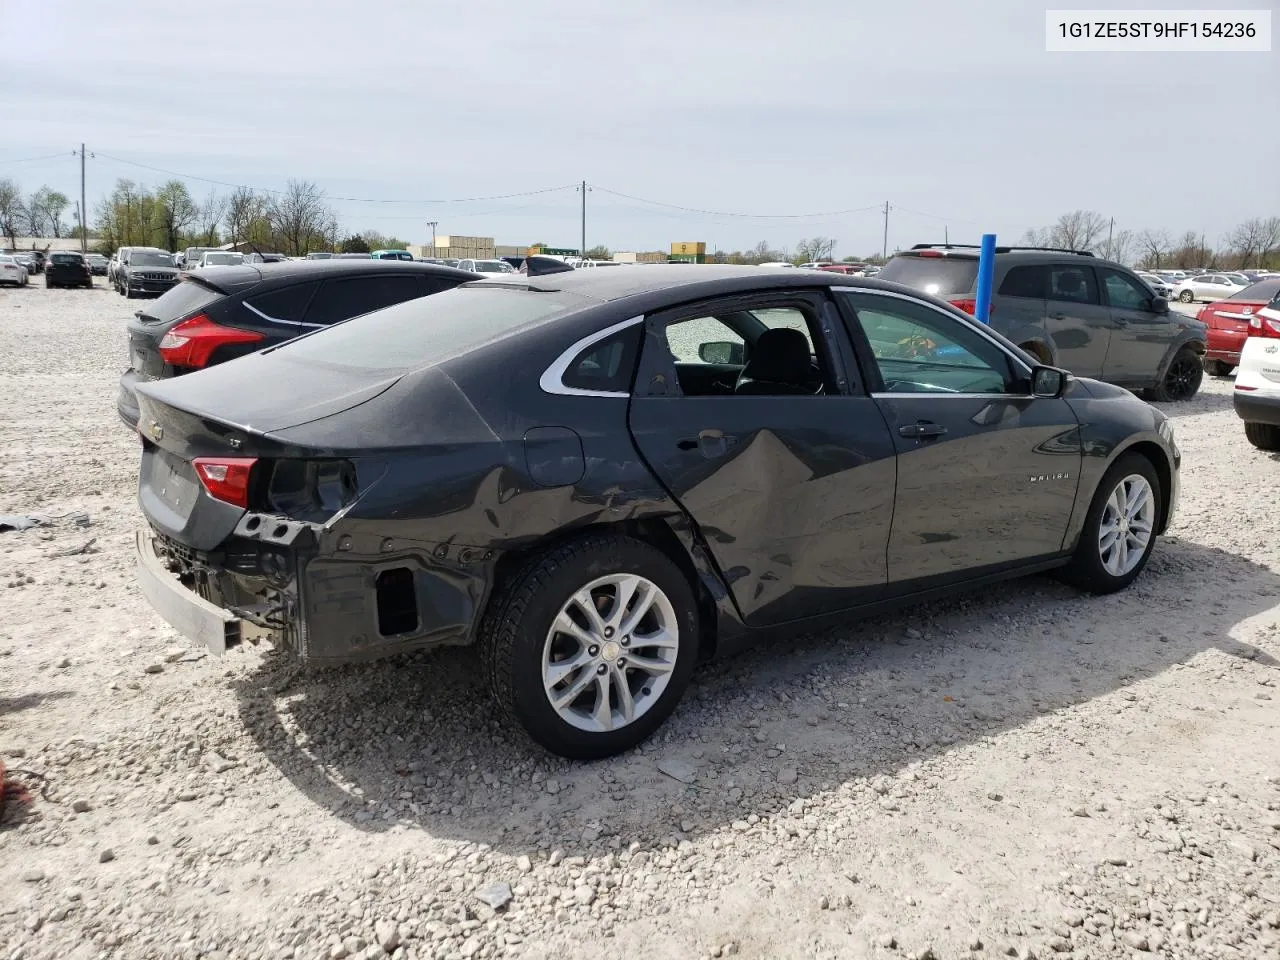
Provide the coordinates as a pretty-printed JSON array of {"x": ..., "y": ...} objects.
[{"x": 651, "y": 256}]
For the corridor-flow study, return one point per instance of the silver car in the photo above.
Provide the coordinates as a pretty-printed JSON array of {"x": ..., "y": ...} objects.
[
  {"x": 1207, "y": 287},
  {"x": 1159, "y": 286}
]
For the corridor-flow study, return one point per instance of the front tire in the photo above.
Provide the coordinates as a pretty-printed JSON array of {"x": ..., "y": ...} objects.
[
  {"x": 1182, "y": 379},
  {"x": 1264, "y": 436},
  {"x": 1119, "y": 529},
  {"x": 1218, "y": 368},
  {"x": 590, "y": 645},
  {"x": 128, "y": 290}
]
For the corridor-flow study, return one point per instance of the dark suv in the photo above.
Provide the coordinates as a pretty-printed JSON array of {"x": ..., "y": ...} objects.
[
  {"x": 1069, "y": 309},
  {"x": 66, "y": 269},
  {"x": 145, "y": 270},
  {"x": 220, "y": 314}
]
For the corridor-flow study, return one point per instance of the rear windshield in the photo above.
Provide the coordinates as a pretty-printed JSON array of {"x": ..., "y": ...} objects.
[
  {"x": 938, "y": 276},
  {"x": 429, "y": 330},
  {"x": 223, "y": 259},
  {"x": 177, "y": 302},
  {"x": 67, "y": 258},
  {"x": 1262, "y": 290}
]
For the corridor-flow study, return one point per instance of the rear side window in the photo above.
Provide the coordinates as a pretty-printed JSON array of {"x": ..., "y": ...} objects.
[
  {"x": 340, "y": 300},
  {"x": 288, "y": 304},
  {"x": 1027, "y": 281},
  {"x": 607, "y": 365},
  {"x": 186, "y": 298},
  {"x": 1073, "y": 285},
  {"x": 937, "y": 276}
]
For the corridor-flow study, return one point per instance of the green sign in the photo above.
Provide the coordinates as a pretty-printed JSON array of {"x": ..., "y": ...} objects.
[{"x": 557, "y": 252}]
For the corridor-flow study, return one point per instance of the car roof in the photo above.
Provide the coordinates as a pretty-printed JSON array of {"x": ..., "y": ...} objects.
[{"x": 291, "y": 271}]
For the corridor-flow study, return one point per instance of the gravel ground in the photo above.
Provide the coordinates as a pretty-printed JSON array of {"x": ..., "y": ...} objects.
[{"x": 1026, "y": 771}]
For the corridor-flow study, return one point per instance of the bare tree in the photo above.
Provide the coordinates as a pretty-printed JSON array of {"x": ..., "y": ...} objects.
[
  {"x": 12, "y": 211},
  {"x": 816, "y": 248},
  {"x": 1254, "y": 239},
  {"x": 1078, "y": 230},
  {"x": 299, "y": 217},
  {"x": 1270, "y": 238},
  {"x": 1154, "y": 244},
  {"x": 212, "y": 211},
  {"x": 244, "y": 206},
  {"x": 44, "y": 212},
  {"x": 176, "y": 210},
  {"x": 1042, "y": 237}
]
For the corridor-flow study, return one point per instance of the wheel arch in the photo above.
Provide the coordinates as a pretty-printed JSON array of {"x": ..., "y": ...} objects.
[
  {"x": 658, "y": 532},
  {"x": 1159, "y": 460}
]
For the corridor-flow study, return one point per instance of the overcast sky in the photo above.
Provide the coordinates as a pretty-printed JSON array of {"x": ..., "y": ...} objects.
[{"x": 951, "y": 111}]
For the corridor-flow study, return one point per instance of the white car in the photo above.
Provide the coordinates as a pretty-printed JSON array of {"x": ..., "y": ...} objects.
[
  {"x": 11, "y": 271},
  {"x": 219, "y": 258},
  {"x": 1157, "y": 285},
  {"x": 779, "y": 263},
  {"x": 486, "y": 266},
  {"x": 1257, "y": 393},
  {"x": 1207, "y": 287}
]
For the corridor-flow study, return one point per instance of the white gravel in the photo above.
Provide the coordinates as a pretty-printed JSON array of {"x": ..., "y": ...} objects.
[{"x": 1024, "y": 771}]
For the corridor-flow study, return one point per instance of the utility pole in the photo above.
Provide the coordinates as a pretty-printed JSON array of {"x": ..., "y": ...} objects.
[
  {"x": 884, "y": 251},
  {"x": 946, "y": 236},
  {"x": 84, "y": 226},
  {"x": 583, "y": 252},
  {"x": 1110, "y": 231},
  {"x": 432, "y": 224}
]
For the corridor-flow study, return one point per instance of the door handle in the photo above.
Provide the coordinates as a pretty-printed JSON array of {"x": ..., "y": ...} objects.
[
  {"x": 688, "y": 443},
  {"x": 922, "y": 430},
  {"x": 1057, "y": 316}
]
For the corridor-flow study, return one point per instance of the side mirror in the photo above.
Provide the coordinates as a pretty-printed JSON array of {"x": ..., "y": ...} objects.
[
  {"x": 1048, "y": 382},
  {"x": 1159, "y": 305},
  {"x": 721, "y": 352}
]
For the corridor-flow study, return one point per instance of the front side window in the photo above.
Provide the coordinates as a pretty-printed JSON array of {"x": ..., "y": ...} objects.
[
  {"x": 1124, "y": 292},
  {"x": 918, "y": 349}
]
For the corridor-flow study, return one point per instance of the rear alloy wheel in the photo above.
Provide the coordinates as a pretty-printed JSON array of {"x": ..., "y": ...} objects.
[
  {"x": 1183, "y": 378},
  {"x": 1264, "y": 436},
  {"x": 1186, "y": 296},
  {"x": 1218, "y": 368},
  {"x": 590, "y": 646},
  {"x": 1119, "y": 529}
]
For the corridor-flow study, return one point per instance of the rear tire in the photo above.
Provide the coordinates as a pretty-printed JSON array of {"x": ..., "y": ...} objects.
[
  {"x": 1182, "y": 379},
  {"x": 128, "y": 290},
  {"x": 1264, "y": 436},
  {"x": 521, "y": 648},
  {"x": 1097, "y": 568},
  {"x": 1186, "y": 296},
  {"x": 1218, "y": 368}
]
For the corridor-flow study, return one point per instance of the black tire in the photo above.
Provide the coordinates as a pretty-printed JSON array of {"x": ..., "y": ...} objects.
[
  {"x": 1182, "y": 378},
  {"x": 1086, "y": 569},
  {"x": 47, "y": 284},
  {"x": 515, "y": 628},
  {"x": 128, "y": 290},
  {"x": 1186, "y": 296},
  {"x": 1218, "y": 368},
  {"x": 1264, "y": 436}
]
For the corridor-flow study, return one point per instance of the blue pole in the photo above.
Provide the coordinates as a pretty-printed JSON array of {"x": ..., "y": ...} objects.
[{"x": 986, "y": 274}]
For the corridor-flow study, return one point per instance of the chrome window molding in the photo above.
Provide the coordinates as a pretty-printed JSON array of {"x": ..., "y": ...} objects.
[
  {"x": 552, "y": 379},
  {"x": 291, "y": 323}
]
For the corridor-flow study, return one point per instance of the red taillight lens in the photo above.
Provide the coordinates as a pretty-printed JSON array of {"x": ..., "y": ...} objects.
[
  {"x": 967, "y": 304},
  {"x": 192, "y": 342},
  {"x": 1265, "y": 324},
  {"x": 226, "y": 478}
]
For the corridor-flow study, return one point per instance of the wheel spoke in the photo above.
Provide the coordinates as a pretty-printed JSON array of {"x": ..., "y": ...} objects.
[
  {"x": 563, "y": 700},
  {"x": 624, "y": 591},
  {"x": 1137, "y": 500},
  {"x": 567, "y": 625},
  {"x": 662, "y": 640},
  {"x": 603, "y": 712},
  {"x": 587, "y": 604},
  {"x": 644, "y": 601},
  {"x": 560, "y": 670},
  {"x": 626, "y": 703},
  {"x": 650, "y": 665}
]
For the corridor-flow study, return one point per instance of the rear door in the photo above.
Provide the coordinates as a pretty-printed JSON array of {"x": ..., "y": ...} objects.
[
  {"x": 987, "y": 474},
  {"x": 1140, "y": 337},
  {"x": 1077, "y": 321},
  {"x": 792, "y": 493}
]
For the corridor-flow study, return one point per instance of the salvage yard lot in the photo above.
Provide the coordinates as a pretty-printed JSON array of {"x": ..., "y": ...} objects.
[{"x": 1029, "y": 768}]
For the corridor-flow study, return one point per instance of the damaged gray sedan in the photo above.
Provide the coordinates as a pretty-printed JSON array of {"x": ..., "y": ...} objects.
[{"x": 600, "y": 477}]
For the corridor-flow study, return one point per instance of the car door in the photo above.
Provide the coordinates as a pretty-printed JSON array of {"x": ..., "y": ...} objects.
[
  {"x": 1076, "y": 320},
  {"x": 1141, "y": 335},
  {"x": 987, "y": 474},
  {"x": 791, "y": 492}
]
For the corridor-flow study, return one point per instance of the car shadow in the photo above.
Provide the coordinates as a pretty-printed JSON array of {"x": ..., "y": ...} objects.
[
  {"x": 26, "y": 701},
  {"x": 1201, "y": 403},
  {"x": 416, "y": 743}
]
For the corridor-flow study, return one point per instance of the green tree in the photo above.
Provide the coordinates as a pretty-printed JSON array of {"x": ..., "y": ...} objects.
[
  {"x": 12, "y": 211},
  {"x": 380, "y": 241},
  {"x": 353, "y": 244},
  {"x": 175, "y": 211},
  {"x": 599, "y": 252},
  {"x": 299, "y": 218}
]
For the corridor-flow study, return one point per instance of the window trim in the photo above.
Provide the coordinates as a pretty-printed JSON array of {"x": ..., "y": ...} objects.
[
  {"x": 552, "y": 379},
  {"x": 863, "y": 347},
  {"x": 1103, "y": 271}
]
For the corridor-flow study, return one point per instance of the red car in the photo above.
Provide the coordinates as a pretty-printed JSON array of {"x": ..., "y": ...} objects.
[
  {"x": 843, "y": 267},
  {"x": 1228, "y": 323}
]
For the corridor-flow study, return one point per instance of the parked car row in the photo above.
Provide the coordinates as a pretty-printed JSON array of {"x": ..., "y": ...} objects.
[
  {"x": 13, "y": 271},
  {"x": 1256, "y": 396}
]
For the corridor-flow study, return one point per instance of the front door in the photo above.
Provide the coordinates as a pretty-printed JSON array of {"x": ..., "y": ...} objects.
[
  {"x": 1141, "y": 336},
  {"x": 784, "y": 464},
  {"x": 1076, "y": 320},
  {"x": 987, "y": 474}
]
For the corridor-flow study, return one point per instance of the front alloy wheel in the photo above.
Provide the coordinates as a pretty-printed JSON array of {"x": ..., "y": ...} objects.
[
  {"x": 1183, "y": 378},
  {"x": 1128, "y": 522},
  {"x": 1119, "y": 530},
  {"x": 1186, "y": 296}
]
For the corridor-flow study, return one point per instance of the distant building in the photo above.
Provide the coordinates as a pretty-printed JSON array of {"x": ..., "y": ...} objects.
[
  {"x": 651, "y": 256},
  {"x": 48, "y": 243}
]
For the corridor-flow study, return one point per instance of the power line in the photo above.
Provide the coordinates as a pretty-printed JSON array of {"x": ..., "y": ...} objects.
[
  {"x": 934, "y": 216},
  {"x": 745, "y": 216},
  {"x": 51, "y": 156},
  {"x": 224, "y": 183}
]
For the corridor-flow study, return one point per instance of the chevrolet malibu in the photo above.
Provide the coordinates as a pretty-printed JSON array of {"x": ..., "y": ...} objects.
[{"x": 599, "y": 477}]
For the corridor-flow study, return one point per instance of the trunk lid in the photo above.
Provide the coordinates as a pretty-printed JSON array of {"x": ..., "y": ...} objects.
[
  {"x": 936, "y": 274},
  {"x": 149, "y": 325}
]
